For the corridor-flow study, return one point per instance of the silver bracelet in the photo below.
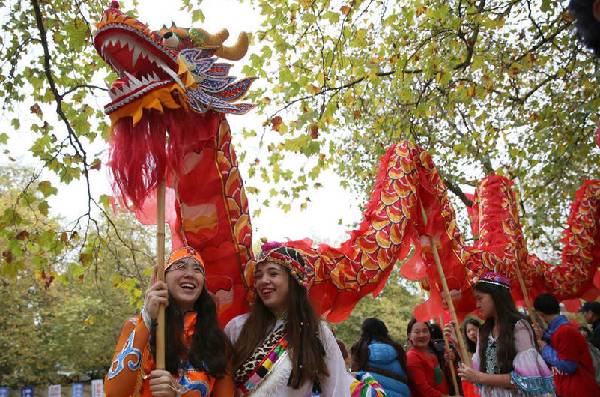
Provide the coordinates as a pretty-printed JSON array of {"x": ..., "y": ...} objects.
[
  {"x": 178, "y": 388},
  {"x": 146, "y": 318}
]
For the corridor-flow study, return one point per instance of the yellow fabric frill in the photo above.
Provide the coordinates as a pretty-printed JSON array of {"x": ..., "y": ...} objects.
[{"x": 156, "y": 99}]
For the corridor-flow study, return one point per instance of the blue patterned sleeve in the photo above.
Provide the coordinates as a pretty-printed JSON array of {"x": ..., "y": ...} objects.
[{"x": 125, "y": 369}]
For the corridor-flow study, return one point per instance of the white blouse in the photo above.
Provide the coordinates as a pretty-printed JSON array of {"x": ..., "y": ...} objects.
[{"x": 275, "y": 384}]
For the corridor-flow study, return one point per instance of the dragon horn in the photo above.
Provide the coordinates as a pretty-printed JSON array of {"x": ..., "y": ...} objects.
[
  {"x": 236, "y": 51},
  {"x": 202, "y": 38}
]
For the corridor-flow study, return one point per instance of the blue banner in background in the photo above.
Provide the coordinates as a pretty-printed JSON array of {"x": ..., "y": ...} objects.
[
  {"x": 27, "y": 391},
  {"x": 77, "y": 390},
  {"x": 4, "y": 391}
]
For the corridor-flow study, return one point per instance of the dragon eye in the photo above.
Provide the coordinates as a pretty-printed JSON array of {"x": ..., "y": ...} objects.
[{"x": 170, "y": 40}]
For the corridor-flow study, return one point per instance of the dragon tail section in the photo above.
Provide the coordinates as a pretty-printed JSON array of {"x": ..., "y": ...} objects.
[{"x": 500, "y": 233}]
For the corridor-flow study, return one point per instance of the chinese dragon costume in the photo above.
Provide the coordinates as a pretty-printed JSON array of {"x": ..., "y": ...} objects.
[{"x": 168, "y": 109}]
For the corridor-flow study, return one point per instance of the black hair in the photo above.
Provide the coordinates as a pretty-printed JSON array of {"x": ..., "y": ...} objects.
[
  {"x": 436, "y": 331},
  {"x": 373, "y": 329},
  {"x": 507, "y": 315},
  {"x": 210, "y": 349},
  {"x": 588, "y": 28},
  {"x": 471, "y": 346},
  {"x": 546, "y": 304},
  {"x": 592, "y": 306}
]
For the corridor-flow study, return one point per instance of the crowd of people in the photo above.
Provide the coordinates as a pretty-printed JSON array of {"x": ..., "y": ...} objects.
[{"x": 282, "y": 348}]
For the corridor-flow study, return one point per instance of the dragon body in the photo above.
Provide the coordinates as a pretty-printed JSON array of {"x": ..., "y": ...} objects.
[
  {"x": 495, "y": 221},
  {"x": 168, "y": 107}
]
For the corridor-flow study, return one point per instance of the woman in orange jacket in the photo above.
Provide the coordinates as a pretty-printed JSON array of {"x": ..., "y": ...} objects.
[{"x": 197, "y": 351}]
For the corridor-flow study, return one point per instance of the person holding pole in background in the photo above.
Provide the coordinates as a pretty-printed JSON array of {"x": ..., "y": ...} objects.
[
  {"x": 506, "y": 363},
  {"x": 197, "y": 351},
  {"x": 425, "y": 368},
  {"x": 591, "y": 313},
  {"x": 565, "y": 350}
]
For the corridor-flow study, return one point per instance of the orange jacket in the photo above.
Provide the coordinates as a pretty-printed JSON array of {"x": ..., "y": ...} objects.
[{"x": 132, "y": 360}]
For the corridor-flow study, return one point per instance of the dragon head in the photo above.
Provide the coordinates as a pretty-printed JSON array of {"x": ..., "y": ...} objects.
[{"x": 159, "y": 69}]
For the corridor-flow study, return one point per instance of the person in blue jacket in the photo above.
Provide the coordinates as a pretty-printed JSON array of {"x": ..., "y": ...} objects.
[{"x": 375, "y": 352}]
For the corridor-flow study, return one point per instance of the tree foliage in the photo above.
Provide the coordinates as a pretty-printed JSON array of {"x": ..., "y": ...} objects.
[
  {"x": 46, "y": 88},
  {"x": 64, "y": 304},
  {"x": 394, "y": 306},
  {"x": 484, "y": 85}
]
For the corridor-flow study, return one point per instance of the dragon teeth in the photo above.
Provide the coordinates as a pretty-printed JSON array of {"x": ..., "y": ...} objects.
[
  {"x": 132, "y": 78},
  {"x": 171, "y": 73},
  {"x": 117, "y": 92},
  {"x": 136, "y": 53}
]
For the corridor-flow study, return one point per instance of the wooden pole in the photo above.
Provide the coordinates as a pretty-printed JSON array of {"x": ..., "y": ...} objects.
[
  {"x": 438, "y": 263},
  {"x": 532, "y": 313},
  {"x": 522, "y": 284},
  {"x": 452, "y": 369},
  {"x": 160, "y": 254}
]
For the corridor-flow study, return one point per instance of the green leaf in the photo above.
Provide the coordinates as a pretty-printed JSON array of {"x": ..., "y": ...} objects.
[
  {"x": 43, "y": 208},
  {"x": 197, "y": 16},
  {"x": 46, "y": 188}
]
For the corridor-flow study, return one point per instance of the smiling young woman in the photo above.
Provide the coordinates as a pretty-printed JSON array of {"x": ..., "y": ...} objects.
[
  {"x": 281, "y": 348},
  {"x": 198, "y": 352},
  {"x": 426, "y": 368},
  {"x": 506, "y": 362}
]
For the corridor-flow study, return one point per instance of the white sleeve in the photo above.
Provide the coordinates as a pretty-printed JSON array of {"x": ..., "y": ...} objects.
[
  {"x": 234, "y": 327},
  {"x": 339, "y": 380}
]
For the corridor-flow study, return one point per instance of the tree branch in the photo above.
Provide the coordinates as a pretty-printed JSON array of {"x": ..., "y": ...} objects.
[
  {"x": 75, "y": 88},
  {"x": 73, "y": 138},
  {"x": 454, "y": 188}
]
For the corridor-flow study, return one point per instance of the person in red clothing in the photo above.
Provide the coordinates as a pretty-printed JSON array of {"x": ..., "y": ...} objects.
[
  {"x": 565, "y": 350},
  {"x": 426, "y": 373}
]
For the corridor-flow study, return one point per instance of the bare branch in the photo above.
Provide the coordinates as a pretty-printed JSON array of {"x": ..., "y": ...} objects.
[{"x": 80, "y": 86}]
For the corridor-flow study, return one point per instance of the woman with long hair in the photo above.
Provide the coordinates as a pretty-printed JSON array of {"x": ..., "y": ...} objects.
[
  {"x": 506, "y": 362},
  {"x": 470, "y": 330},
  {"x": 426, "y": 367},
  {"x": 375, "y": 352},
  {"x": 197, "y": 351},
  {"x": 281, "y": 348}
]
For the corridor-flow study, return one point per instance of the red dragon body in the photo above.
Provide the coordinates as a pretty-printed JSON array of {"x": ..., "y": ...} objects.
[{"x": 168, "y": 108}]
